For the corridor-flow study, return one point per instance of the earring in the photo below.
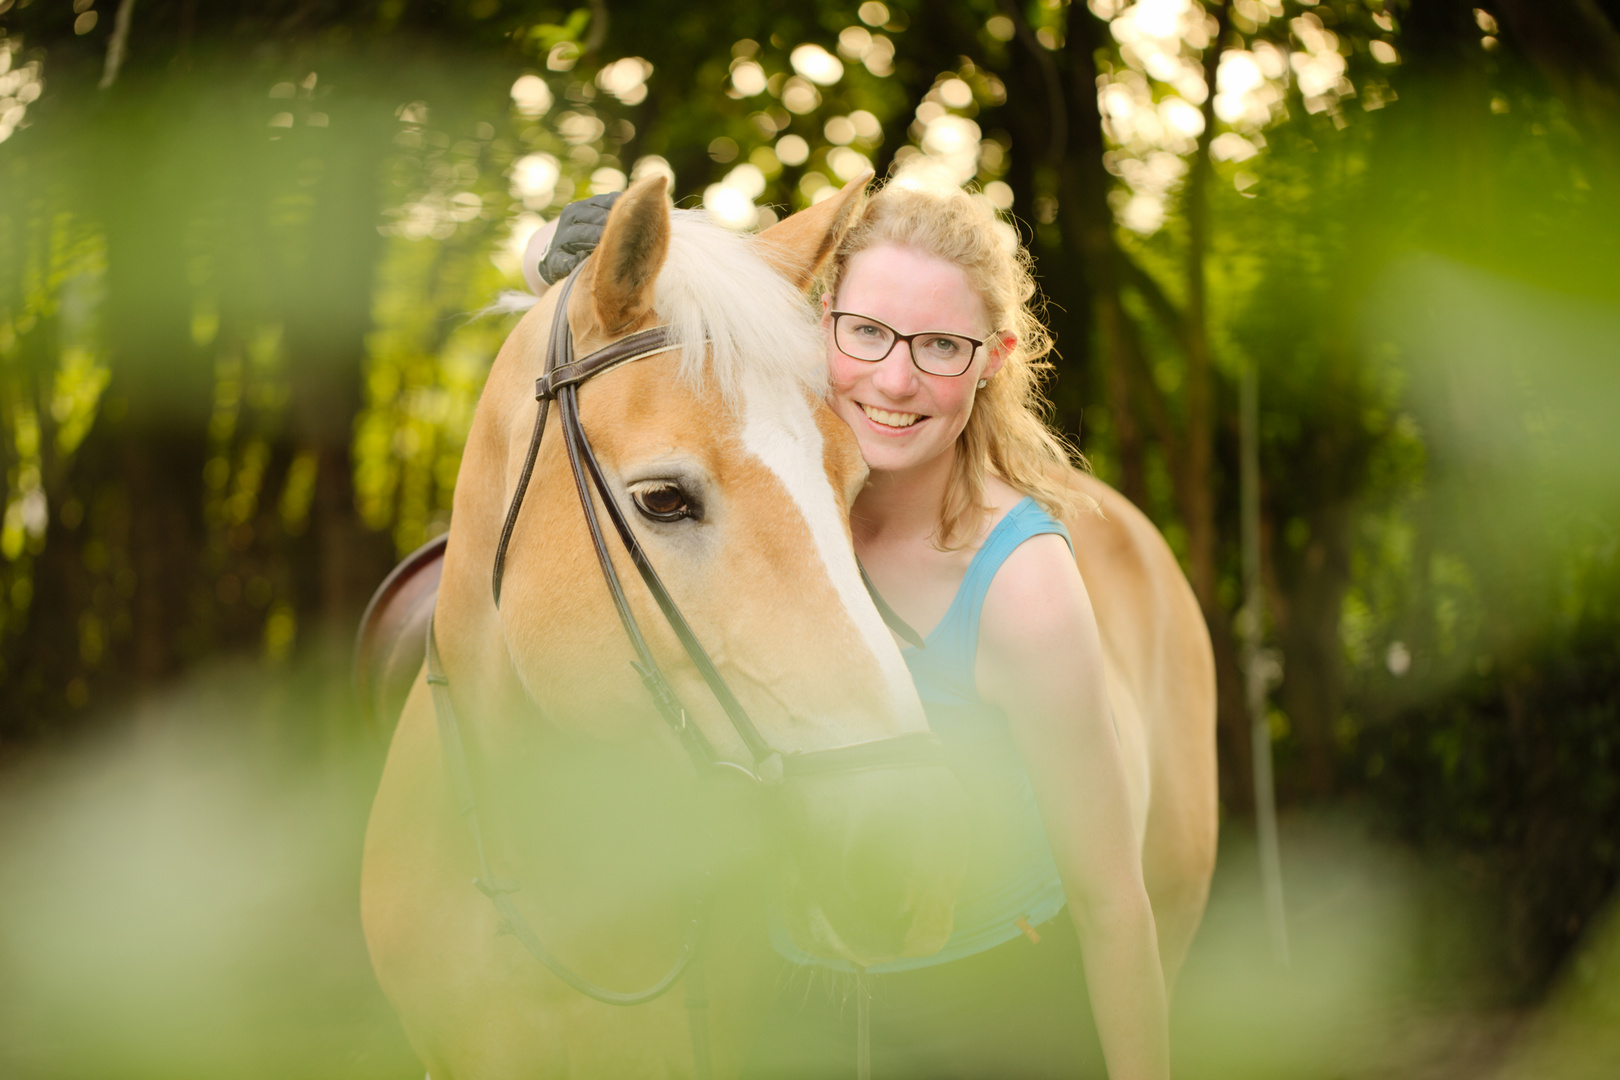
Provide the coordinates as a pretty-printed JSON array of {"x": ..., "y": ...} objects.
[{"x": 983, "y": 383}]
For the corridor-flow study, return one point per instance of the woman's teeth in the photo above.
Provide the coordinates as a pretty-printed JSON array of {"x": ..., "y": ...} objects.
[{"x": 890, "y": 419}]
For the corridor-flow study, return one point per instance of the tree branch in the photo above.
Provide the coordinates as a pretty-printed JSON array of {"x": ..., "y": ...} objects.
[
  {"x": 117, "y": 45},
  {"x": 1572, "y": 42},
  {"x": 1132, "y": 275},
  {"x": 1057, "y": 142},
  {"x": 599, "y": 27},
  {"x": 1146, "y": 390}
]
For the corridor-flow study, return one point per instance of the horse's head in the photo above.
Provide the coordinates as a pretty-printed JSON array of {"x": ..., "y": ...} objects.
[{"x": 737, "y": 480}]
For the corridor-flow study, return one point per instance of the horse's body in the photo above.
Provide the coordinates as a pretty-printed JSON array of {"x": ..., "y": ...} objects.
[
  {"x": 1161, "y": 684},
  {"x": 586, "y": 796}
]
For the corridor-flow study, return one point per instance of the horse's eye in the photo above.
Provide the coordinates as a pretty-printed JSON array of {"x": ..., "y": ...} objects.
[{"x": 666, "y": 502}]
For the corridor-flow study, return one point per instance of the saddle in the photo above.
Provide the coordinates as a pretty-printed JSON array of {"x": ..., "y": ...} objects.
[{"x": 392, "y": 642}]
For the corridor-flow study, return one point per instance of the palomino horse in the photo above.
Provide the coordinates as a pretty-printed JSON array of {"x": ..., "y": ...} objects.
[{"x": 738, "y": 480}]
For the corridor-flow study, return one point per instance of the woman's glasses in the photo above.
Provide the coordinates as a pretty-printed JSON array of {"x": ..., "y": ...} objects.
[{"x": 934, "y": 352}]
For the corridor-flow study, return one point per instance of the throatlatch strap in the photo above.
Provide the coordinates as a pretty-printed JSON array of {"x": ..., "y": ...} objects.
[{"x": 697, "y": 1017}]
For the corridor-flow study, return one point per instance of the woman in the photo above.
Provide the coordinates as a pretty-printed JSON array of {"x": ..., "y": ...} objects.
[{"x": 935, "y": 359}]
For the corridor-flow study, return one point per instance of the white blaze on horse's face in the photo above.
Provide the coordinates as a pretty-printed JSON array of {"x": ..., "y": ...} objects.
[{"x": 780, "y": 429}]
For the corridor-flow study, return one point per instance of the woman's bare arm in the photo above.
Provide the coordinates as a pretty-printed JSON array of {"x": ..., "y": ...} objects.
[
  {"x": 533, "y": 252},
  {"x": 1040, "y": 659}
]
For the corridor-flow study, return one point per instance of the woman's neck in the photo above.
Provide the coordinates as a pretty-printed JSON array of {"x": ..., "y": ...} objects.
[{"x": 904, "y": 504}]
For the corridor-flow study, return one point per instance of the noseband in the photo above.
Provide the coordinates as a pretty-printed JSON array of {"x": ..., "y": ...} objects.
[{"x": 767, "y": 767}]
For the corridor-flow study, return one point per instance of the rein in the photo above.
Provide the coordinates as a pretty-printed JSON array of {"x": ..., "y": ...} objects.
[{"x": 768, "y": 767}]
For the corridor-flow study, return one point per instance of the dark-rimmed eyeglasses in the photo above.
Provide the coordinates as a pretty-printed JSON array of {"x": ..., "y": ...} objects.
[{"x": 934, "y": 352}]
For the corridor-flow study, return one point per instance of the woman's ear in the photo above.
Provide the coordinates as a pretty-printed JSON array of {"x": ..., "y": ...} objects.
[{"x": 999, "y": 347}]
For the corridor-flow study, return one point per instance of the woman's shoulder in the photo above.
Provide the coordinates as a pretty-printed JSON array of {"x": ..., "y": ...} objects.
[
  {"x": 1037, "y": 599},
  {"x": 1028, "y": 516},
  {"x": 1037, "y": 631}
]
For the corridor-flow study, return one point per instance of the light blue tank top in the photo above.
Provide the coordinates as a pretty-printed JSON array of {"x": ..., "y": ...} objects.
[{"x": 1010, "y": 872}]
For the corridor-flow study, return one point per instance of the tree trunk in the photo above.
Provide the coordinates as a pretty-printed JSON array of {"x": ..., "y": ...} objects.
[
  {"x": 1312, "y": 690},
  {"x": 1196, "y": 479},
  {"x": 1088, "y": 233},
  {"x": 1115, "y": 330},
  {"x": 157, "y": 405},
  {"x": 327, "y": 308}
]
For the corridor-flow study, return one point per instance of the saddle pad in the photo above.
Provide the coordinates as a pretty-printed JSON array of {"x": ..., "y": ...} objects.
[{"x": 392, "y": 642}]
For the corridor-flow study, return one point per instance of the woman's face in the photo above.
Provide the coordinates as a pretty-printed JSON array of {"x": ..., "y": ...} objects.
[{"x": 902, "y": 417}]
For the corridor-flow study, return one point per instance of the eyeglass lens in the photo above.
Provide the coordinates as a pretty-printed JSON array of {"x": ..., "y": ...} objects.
[{"x": 935, "y": 353}]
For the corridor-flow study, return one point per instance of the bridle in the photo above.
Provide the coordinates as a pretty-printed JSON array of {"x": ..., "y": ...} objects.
[{"x": 768, "y": 767}]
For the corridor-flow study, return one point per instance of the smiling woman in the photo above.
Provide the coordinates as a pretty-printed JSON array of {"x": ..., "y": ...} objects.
[{"x": 1084, "y": 750}]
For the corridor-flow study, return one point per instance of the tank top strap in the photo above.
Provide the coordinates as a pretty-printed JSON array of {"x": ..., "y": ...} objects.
[{"x": 957, "y": 635}]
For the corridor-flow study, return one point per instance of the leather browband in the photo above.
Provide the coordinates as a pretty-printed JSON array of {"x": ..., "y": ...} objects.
[{"x": 627, "y": 350}]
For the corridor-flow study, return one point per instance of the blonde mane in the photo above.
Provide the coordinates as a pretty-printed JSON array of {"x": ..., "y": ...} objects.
[{"x": 715, "y": 290}]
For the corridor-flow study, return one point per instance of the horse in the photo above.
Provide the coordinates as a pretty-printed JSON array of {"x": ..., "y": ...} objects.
[{"x": 606, "y": 846}]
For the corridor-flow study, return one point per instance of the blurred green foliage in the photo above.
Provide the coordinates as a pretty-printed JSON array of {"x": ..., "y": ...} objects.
[{"x": 239, "y": 354}]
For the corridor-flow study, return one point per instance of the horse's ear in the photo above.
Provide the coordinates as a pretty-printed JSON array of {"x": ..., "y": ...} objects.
[
  {"x": 799, "y": 244},
  {"x": 634, "y": 243}
]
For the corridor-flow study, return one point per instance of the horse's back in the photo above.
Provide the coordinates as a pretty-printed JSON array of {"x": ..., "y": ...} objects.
[{"x": 1161, "y": 672}]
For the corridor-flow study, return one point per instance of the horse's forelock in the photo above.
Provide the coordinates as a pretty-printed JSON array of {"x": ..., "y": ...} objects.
[{"x": 733, "y": 315}]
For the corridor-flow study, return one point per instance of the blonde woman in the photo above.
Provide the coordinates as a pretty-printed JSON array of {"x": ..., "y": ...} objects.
[{"x": 935, "y": 360}]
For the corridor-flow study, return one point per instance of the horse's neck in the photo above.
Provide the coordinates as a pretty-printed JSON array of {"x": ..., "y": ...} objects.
[
  {"x": 587, "y": 820},
  {"x": 608, "y": 845}
]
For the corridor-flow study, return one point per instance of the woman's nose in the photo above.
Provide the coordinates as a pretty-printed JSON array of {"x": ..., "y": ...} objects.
[{"x": 896, "y": 375}]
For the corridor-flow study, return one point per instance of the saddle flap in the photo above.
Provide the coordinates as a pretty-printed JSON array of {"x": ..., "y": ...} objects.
[{"x": 392, "y": 641}]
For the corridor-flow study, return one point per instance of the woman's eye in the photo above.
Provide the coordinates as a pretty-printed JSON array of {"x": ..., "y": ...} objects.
[
  {"x": 667, "y": 502},
  {"x": 944, "y": 346}
]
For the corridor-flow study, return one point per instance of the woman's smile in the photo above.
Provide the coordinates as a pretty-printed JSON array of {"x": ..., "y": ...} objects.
[{"x": 889, "y": 421}]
